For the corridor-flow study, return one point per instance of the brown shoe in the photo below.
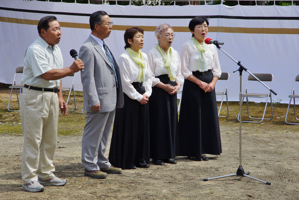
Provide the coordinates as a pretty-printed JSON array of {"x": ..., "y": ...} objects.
[
  {"x": 95, "y": 174},
  {"x": 111, "y": 170}
]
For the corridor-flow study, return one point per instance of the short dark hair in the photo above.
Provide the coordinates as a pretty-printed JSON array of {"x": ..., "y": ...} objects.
[
  {"x": 197, "y": 21},
  {"x": 96, "y": 18},
  {"x": 44, "y": 23},
  {"x": 129, "y": 34}
]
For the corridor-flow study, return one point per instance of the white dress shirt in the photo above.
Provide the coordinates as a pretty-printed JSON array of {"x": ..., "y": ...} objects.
[
  {"x": 157, "y": 65},
  {"x": 99, "y": 41},
  {"x": 39, "y": 58},
  {"x": 129, "y": 73},
  {"x": 190, "y": 56}
]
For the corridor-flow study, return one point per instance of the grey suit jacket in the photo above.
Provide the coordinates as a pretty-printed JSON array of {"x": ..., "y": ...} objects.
[{"x": 98, "y": 78}]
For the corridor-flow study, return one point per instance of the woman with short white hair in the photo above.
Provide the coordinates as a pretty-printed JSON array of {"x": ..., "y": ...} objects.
[{"x": 166, "y": 67}]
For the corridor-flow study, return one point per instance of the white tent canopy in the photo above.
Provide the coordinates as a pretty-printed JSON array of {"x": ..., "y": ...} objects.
[{"x": 264, "y": 38}]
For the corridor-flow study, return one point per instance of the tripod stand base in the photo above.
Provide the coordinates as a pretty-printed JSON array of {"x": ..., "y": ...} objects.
[{"x": 240, "y": 172}]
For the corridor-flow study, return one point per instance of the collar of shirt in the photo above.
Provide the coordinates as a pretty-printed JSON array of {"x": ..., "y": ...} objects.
[
  {"x": 99, "y": 41},
  {"x": 45, "y": 45}
]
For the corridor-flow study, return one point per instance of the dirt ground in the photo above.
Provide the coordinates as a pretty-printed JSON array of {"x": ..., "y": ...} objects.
[{"x": 269, "y": 155}]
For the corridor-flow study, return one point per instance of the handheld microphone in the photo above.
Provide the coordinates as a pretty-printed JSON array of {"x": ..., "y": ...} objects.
[
  {"x": 74, "y": 55},
  {"x": 210, "y": 41}
]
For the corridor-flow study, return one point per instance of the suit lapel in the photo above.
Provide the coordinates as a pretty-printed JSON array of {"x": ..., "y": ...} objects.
[{"x": 99, "y": 49}]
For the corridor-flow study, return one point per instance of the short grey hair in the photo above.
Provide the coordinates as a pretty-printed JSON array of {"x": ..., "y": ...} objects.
[{"x": 161, "y": 28}]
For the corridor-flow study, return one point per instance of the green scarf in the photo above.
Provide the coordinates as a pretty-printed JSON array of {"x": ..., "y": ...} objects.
[
  {"x": 201, "y": 62},
  {"x": 137, "y": 58},
  {"x": 167, "y": 59}
]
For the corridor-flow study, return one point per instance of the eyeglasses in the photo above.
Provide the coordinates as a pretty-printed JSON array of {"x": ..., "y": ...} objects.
[
  {"x": 202, "y": 27},
  {"x": 109, "y": 24},
  {"x": 169, "y": 35}
]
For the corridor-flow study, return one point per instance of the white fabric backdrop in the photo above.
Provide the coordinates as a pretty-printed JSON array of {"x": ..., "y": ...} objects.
[{"x": 260, "y": 52}]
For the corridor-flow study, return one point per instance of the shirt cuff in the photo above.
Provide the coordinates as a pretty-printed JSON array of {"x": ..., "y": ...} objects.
[
  {"x": 140, "y": 97},
  {"x": 148, "y": 93},
  {"x": 186, "y": 75},
  {"x": 155, "y": 82}
]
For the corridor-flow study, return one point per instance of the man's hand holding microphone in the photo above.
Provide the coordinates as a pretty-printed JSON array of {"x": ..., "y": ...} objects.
[{"x": 78, "y": 63}]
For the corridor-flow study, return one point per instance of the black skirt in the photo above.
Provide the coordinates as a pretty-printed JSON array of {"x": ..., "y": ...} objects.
[
  {"x": 198, "y": 124},
  {"x": 130, "y": 138},
  {"x": 163, "y": 122}
]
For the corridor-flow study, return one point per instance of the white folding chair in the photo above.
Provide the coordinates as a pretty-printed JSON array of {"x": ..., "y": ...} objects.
[
  {"x": 70, "y": 90},
  {"x": 252, "y": 85},
  {"x": 293, "y": 96},
  {"x": 222, "y": 82},
  {"x": 16, "y": 85}
]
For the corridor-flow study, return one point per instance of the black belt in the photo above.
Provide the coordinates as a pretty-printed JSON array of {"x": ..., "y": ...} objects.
[
  {"x": 164, "y": 78},
  {"x": 202, "y": 73},
  {"x": 42, "y": 89},
  {"x": 137, "y": 84}
]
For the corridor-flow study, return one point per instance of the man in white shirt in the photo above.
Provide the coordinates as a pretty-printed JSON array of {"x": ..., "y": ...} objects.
[{"x": 40, "y": 103}]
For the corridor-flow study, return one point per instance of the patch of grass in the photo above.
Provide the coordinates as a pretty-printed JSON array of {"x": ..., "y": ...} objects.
[
  {"x": 11, "y": 129},
  {"x": 10, "y": 122},
  {"x": 256, "y": 110},
  {"x": 73, "y": 123}
]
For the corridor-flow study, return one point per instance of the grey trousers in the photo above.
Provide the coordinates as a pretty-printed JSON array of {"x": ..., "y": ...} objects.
[{"x": 95, "y": 137}]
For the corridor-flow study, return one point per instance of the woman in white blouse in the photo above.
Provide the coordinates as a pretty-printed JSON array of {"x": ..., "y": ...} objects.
[
  {"x": 198, "y": 124},
  {"x": 165, "y": 64},
  {"x": 130, "y": 139}
]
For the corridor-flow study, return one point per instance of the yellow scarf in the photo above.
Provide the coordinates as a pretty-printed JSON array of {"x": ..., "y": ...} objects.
[
  {"x": 167, "y": 59},
  {"x": 201, "y": 62},
  {"x": 137, "y": 58}
]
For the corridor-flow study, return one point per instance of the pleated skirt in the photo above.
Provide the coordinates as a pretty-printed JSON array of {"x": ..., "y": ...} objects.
[
  {"x": 130, "y": 143},
  {"x": 163, "y": 122},
  {"x": 198, "y": 123}
]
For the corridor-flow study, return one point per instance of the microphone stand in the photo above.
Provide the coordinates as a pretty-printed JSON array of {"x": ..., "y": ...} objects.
[{"x": 240, "y": 170}]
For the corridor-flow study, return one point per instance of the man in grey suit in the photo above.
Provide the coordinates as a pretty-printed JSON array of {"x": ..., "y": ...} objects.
[{"x": 102, "y": 92}]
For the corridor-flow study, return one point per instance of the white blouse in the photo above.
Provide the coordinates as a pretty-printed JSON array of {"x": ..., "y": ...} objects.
[
  {"x": 157, "y": 65},
  {"x": 190, "y": 56},
  {"x": 129, "y": 73}
]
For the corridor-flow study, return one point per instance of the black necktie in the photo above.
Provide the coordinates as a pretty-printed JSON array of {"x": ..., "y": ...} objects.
[{"x": 110, "y": 58}]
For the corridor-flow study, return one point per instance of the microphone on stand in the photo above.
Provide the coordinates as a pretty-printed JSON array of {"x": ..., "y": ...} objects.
[
  {"x": 74, "y": 55},
  {"x": 210, "y": 41}
]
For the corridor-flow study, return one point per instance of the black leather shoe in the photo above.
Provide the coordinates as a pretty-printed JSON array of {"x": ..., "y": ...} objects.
[
  {"x": 131, "y": 167},
  {"x": 194, "y": 158},
  {"x": 158, "y": 162},
  {"x": 204, "y": 158},
  {"x": 142, "y": 165},
  {"x": 170, "y": 160}
]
